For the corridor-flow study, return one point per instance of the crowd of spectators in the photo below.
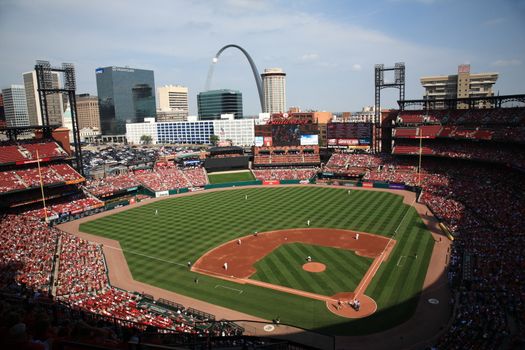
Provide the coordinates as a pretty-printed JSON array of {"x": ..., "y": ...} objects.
[
  {"x": 482, "y": 205},
  {"x": 27, "y": 252},
  {"x": 65, "y": 205},
  {"x": 493, "y": 116},
  {"x": 502, "y": 133},
  {"x": 484, "y": 151},
  {"x": 157, "y": 179},
  {"x": 112, "y": 184},
  {"x": 196, "y": 176},
  {"x": 354, "y": 163},
  {"x": 38, "y": 257},
  {"x": 301, "y": 158},
  {"x": 285, "y": 173},
  {"x": 81, "y": 267},
  {"x": 19, "y": 179}
]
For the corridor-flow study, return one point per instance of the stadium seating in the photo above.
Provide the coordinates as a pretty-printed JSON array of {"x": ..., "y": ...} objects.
[
  {"x": 44, "y": 149},
  {"x": 284, "y": 174},
  {"x": 157, "y": 179},
  {"x": 27, "y": 178},
  {"x": 10, "y": 154},
  {"x": 112, "y": 184}
]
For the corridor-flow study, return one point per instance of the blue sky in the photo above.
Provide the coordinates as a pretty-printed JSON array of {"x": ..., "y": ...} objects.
[{"x": 328, "y": 48}]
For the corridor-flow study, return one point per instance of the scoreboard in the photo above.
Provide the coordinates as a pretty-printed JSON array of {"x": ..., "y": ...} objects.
[
  {"x": 286, "y": 135},
  {"x": 348, "y": 134}
]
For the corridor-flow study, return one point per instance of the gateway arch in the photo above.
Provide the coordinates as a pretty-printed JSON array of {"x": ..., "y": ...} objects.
[{"x": 256, "y": 75}]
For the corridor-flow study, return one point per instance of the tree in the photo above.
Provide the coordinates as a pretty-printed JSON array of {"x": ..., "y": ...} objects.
[
  {"x": 214, "y": 139},
  {"x": 145, "y": 139}
]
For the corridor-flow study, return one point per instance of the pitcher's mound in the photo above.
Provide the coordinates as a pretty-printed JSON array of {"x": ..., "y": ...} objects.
[{"x": 314, "y": 267}]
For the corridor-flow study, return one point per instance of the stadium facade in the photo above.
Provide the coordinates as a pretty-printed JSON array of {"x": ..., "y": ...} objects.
[
  {"x": 239, "y": 131},
  {"x": 211, "y": 104},
  {"x": 125, "y": 95}
]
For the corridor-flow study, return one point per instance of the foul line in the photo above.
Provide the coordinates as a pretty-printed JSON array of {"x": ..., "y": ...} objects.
[
  {"x": 377, "y": 261},
  {"x": 230, "y": 288},
  {"x": 171, "y": 262}
]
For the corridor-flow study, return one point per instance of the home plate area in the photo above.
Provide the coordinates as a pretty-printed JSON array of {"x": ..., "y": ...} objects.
[{"x": 241, "y": 254}]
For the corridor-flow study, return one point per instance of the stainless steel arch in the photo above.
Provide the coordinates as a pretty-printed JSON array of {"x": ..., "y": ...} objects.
[{"x": 256, "y": 74}]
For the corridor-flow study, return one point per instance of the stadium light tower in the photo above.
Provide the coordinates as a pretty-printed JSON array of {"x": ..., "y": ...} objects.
[{"x": 398, "y": 83}]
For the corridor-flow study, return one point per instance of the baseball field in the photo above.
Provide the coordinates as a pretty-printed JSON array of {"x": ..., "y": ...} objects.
[{"x": 278, "y": 229}]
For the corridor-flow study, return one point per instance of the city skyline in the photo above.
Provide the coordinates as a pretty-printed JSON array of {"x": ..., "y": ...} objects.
[{"x": 327, "y": 49}]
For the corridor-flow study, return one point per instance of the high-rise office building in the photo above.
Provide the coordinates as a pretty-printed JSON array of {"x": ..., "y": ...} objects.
[
  {"x": 461, "y": 85},
  {"x": 213, "y": 103},
  {"x": 174, "y": 98},
  {"x": 274, "y": 88},
  {"x": 125, "y": 95},
  {"x": 87, "y": 111},
  {"x": 15, "y": 106},
  {"x": 55, "y": 103},
  {"x": 2, "y": 113}
]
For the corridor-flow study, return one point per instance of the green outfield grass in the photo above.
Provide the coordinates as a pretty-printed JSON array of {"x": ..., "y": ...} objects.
[
  {"x": 344, "y": 269},
  {"x": 230, "y": 177},
  {"x": 157, "y": 248}
]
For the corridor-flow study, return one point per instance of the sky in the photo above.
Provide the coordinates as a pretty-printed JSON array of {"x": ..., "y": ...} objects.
[{"x": 328, "y": 48}]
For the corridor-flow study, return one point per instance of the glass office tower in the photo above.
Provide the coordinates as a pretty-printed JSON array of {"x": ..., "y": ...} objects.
[
  {"x": 125, "y": 95},
  {"x": 213, "y": 103}
]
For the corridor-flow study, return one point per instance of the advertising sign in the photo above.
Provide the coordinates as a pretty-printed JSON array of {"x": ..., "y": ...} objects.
[
  {"x": 270, "y": 182},
  {"x": 268, "y": 141},
  {"x": 161, "y": 194},
  {"x": 259, "y": 141},
  {"x": 368, "y": 184},
  {"x": 347, "y": 142},
  {"x": 396, "y": 186},
  {"x": 309, "y": 140}
]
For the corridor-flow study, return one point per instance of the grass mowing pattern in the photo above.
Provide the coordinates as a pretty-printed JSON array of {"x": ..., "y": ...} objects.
[
  {"x": 344, "y": 269},
  {"x": 157, "y": 247},
  {"x": 231, "y": 177}
]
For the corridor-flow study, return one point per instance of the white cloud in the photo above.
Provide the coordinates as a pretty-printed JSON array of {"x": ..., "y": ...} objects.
[
  {"x": 506, "y": 63},
  {"x": 309, "y": 57},
  {"x": 177, "y": 39}
]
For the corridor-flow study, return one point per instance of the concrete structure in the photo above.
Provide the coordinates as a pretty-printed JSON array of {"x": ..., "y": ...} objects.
[
  {"x": 15, "y": 106},
  {"x": 173, "y": 99},
  {"x": 88, "y": 112},
  {"x": 2, "y": 113},
  {"x": 461, "y": 85},
  {"x": 274, "y": 89},
  {"x": 55, "y": 103},
  {"x": 239, "y": 131},
  {"x": 172, "y": 115},
  {"x": 125, "y": 95},
  {"x": 211, "y": 104},
  {"x": 366, "y": 115}
]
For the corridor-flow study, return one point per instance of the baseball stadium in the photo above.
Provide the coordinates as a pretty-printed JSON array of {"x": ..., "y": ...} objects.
[{"x": 322, "y": 235}]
